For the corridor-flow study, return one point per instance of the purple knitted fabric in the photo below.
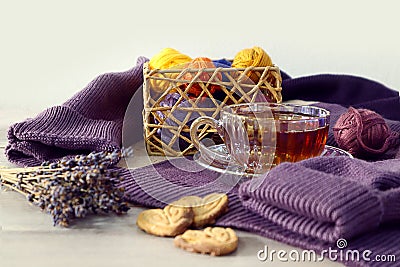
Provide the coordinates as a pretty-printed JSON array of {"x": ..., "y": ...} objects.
[
  {"x": 346, "y": 206},
  {"x": 307, "y": 204},
  {"x": 337, "y": 110},
  {"x": 310, "y": 204},
  {"x": 345, "y": 90},
  {"x": 90, "y": 120}
]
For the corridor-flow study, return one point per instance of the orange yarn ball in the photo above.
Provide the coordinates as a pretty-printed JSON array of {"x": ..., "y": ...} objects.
[
  {"x": 196, "y": 89},
  {"x": 199, "y": 63}
]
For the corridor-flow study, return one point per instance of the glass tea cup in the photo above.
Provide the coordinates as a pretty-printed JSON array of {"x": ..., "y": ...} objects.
[{"x": 259, "y": 136}]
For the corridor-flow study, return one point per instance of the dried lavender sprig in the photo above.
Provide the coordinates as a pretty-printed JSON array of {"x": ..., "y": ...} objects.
[{"x": 71, "y": 188}]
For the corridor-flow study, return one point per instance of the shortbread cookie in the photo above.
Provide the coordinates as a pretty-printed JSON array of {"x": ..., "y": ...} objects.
[
  {"x": 170, "y": 221},
  {"x": 216, "y": 241},
  {"x": 206, "y": 210}
]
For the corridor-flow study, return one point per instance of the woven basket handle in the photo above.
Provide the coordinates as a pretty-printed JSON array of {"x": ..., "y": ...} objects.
[{"x": 207, "y": 154}]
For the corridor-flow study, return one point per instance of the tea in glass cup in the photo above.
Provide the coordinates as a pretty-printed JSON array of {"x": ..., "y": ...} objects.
[{"x": 259, "y": 136}]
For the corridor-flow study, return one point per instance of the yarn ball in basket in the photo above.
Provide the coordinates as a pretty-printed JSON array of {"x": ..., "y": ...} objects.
[
  {"x": 256, "y": 57},
  {"x": 222, "y": 63},
  {"x": 363, "y": 133},
  {"x": 168, "y": 58},
  {"x": 205, "y": 78}
]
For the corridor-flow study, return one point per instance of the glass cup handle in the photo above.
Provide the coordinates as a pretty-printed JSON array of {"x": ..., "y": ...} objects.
[{"x": 206, "y": 153}]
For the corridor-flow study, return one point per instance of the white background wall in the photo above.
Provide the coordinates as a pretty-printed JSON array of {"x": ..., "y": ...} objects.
[{"x": 51, "y": 49}]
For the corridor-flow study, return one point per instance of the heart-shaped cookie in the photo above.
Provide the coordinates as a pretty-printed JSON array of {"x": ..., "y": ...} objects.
[
  {"x": 215, "y": 241},
  {"x": 206, "y": 210},
  {"x": 170, "y": 221}
]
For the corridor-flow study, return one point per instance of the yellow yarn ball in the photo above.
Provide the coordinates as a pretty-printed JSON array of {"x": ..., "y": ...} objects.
[
  {"x": 168, "y": 58},
  {"x": 255, "y": 57}
]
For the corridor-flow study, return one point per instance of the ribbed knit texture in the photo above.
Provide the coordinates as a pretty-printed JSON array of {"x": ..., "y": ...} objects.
[
  {"x": 324, "y": 204},
  {"x": 345, "y": 90},
  {"x": 302, "y": 204},
  {"x": 309, "y": 204},
  {"x": 90, "y": 120}
]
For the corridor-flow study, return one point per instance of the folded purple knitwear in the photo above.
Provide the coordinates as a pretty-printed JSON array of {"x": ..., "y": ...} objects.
[
  {"x": 309, "y": 204},
  {"x": 327, "y": 198},
  {"x": 90, "y": 121}
]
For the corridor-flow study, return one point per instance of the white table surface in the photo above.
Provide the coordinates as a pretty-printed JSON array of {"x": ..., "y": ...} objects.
[{"x": 28, "y": 238}]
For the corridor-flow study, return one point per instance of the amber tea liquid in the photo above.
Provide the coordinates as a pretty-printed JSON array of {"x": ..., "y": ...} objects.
[
  {"x": 287, "y": 137},
  {"x": 295, "y": 145}
]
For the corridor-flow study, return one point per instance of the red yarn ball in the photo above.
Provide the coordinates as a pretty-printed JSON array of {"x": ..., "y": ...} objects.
[{"x": 363, "y": 132}]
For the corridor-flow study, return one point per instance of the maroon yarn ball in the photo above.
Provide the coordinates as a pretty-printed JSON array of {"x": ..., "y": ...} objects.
[{"x": 363, "y": 132}]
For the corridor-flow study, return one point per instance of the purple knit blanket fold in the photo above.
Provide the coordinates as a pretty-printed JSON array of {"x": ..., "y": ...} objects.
[
  {"x": 310, "y": 204},
  {"x": 327, "y": 198},
  {"x": 90, "y": 121}
]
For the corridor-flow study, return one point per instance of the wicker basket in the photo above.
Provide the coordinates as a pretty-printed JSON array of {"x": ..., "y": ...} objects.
[{"x": 170, "y": 104}]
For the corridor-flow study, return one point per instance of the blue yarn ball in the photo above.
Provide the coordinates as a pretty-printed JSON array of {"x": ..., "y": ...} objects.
[{"x": 222, "y": 63}]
